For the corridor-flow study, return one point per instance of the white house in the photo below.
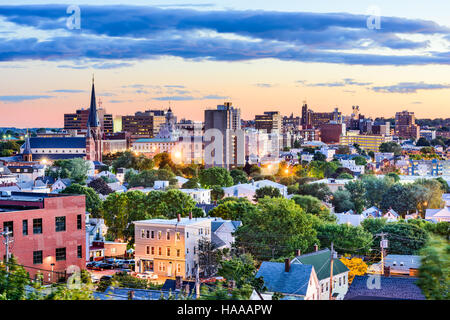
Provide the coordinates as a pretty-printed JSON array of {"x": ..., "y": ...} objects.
[
  {"x": 199, "y": 195},
  {"x": 181, "y": 181},
  {"x": 60, "y": 184},
  {"x": 438, "y": 215},
  {"x": 446, "y": 199},
  {"x": 352, "y": 166},
  {"x": 248, "y": 190},
  {"x": 222, "y": 232},
  {"x": 322, "y": 263},
  {"x": 160, "y": 185},
  {"x": 350, "y": 219}
]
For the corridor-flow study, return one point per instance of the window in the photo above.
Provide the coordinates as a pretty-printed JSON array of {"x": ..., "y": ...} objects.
[
  {"x": 160, "y": 251},
  {"x": 60, "y": 223},
  {"x": 322, "y": 286},
  {"x": 194, "y": 250},
  {"x": 148, "y": 234},
  {"x": 187, "y": 250},
  {"x": 60, "y": 254},
  {"x": 340, "y": 281},
  {"x": 153, "y": 250},
  {"x": 168, "y": 252},
  {"x": 168, "y": 235},
  {"x": 153, "y": 234},
  {"x": 159, "y": 235},
  {"x": 10, "y": 226},
  {"x": 178, "y": 252},
  {"x": 187, "y": 234},
  {"x": 25, "y": 227},
  {"x": 79, "y": 222},
  {"x": 178, "y": 236},
  {"x": 37, "y": 257},
  {"x": 80, "y": 252},
  {"x": 148, "y": 249},
  {"x": 37, "y": 226},
  {"x": 142, "y": 233},
  {"x": 178, "y": 268}
]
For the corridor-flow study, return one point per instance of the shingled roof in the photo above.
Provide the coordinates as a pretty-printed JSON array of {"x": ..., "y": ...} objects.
[{"x": 391, "y": 288}]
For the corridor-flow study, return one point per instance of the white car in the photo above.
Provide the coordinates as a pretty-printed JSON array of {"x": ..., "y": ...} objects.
[{"x": 147, "y": 275}]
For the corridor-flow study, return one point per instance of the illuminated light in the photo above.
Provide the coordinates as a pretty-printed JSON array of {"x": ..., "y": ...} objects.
[
  {"x": 286, "y": 171},
  {"x": 44, "y": 161},
  {"x": 269, "y": 166},
  {"x": 177, "y": 154}
]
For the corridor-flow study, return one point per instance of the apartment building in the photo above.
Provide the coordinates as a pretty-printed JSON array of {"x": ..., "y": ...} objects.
[
  {"x": 367, "y": 142},
  {"x": 47, "y": 231},
  {"x": 169, "y": 248}
]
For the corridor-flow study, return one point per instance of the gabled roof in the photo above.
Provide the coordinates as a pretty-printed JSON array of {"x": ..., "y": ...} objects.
[
  {"x": 294, "y": 282},
  {"x": 58, "y": 143},
  {"x": 321, "y": 262},
  {"x": 391, "y": 288}
]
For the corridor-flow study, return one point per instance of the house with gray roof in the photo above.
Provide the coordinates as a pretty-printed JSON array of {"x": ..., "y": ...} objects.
[
  {"x": 222, "y": 232},
  {"x": 294, "y": 281},
  {"x": 376, "y": 287}
]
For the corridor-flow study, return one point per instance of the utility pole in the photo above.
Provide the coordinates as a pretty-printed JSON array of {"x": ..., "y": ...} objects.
[
  {"x": 197, "y": 283},
  {"x": 333, "y": 255},
  {"x": 6, "y": 233},
  {"x": 383, "y": 245}
]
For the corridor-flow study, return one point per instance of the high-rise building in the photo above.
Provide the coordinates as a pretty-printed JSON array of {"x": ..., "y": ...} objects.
[
  {"x": 311, "y": 119},
  {"x": 331, "y": 132},
  {"x": 405, "y": 125},
  {"x": 78, "y": 120},
  {"x": 143, "y": 124},
  {"x": 226, "y": 119},
  {"x": 269, "y": 121}
]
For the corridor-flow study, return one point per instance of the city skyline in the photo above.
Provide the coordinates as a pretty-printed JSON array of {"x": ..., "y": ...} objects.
[{"x": 260, "y": 56}]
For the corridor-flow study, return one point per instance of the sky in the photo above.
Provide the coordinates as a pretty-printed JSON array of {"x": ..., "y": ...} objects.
[{"x": 384, "y": 56}]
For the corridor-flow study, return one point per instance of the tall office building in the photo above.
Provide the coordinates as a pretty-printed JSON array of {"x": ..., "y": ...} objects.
[
  {"x": 269, "y": 121},
  {"x": 405, "y": 125},
  {"x": 143, "y": 124},
  {"x": 226, "y": 119},
  {"x": 78, "y": 120}
]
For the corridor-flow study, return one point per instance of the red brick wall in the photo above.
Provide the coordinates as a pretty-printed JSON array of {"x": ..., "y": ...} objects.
[{"x": 24, "y": 245}]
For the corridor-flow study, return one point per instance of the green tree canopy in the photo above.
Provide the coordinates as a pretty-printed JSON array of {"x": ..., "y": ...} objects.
[
  {"x": 238, "y": 176},
  {"x": 267, "y": 191},
  {"x": 93, "y": 202},
  {"x": 215, "y": 176}
]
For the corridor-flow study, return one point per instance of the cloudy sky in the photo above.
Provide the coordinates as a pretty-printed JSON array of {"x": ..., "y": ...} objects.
[{"x": 261, "y": 55}]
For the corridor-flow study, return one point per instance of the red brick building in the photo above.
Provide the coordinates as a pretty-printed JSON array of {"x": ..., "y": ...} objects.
[{"x": 48, "y": 232}]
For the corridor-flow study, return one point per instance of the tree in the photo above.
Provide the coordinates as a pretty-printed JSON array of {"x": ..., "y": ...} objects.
[
  {"x": 375, "y": 189},
  {"x": 241, "y": 269},
  {"x": 357, "y": 194},
  {"x": 192, "y": 183},
  {"x": 100, "y": 186},
  {"x": 93, "y": 202},
  {"x": 346, "y": 238},
  {"x": 318, "y": 190},
  {"x": 147, "y": 178},
  {"x": 120, "y": 210},
  {"x": 342, "y": 201},
  {"x": 126, "y": 159},
  {"x": 233, "y": 210},
  {"x": 217, "y": 192},
  {"x": 405, "y": 238},
  {"x": 170, "y": 203},
  {"x": 75, "y": 169},
  {"x": 277, "y": 228},
  {"x": 345, "y": 176},
  {"x": 238, "y": 176},
  {"x": 267, "y": 191},
  {"x": 312, "y": 205},
  {"x": 391, "y": 147},
  {"x": 422, "y": 142},
  {"x": 434, "y": 271},
  {"x": 13, "y": 283},
  {"x": 215, "y": 176},
  {"x": 374, "y": 226},
  {"x": 360, "y": 160},
  {"x": 208, "y": 258},
  {"x": 356, "y": 266},
  {"x": 399, "y": 198},
  {"x": 318, "y": 156}
]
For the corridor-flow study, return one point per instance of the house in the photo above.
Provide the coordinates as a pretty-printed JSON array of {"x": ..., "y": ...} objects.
[
  {"x": 373, "y": 212},
  {"x": 398, "y": 264},
  {"x": 33, "y": 186},
  {"x": 160, "y": 185},
  {"x": 199, "y": 195},
  {"x": 295, "y": 281},
  {"x": 352, "y": 166},
  {"x": 170, "y": 247},
  {"x": 349, "y": 218},
  {"x": 222, "y": 232},
  {"x": 61, "y": 184},
  {"x": 438, "y": 215},
  {"x": 446, "y": 199},
  {"x": 95, "y": 234},
  {"x": 120, "y": 174},
  {"x": 376, "y": 287},
  {"x": 391, "y": 215},
  {"x": 333, "y": 184},
  {"x": 322, "y": 263},
  {"x": 248, "y": 190},
  {"x": 181, "y": 181},
  {"x": 26, "y": 173},
  {"x": 6, "y": 177}
]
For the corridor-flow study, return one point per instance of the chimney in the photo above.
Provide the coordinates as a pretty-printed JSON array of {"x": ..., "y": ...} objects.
[
  {"x": 298, "y": 252},
  {"x": 287, "y": 265},
  {"x": 190, "y": 215},
  {"x": 387, "y": 271},
  {"x": 179, "y": 217},
  {"x": 316, "y": 247},
  {"x": 178, "y": 282}
]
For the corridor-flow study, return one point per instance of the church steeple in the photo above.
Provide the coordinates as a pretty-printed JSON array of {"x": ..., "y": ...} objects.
[
  {"x": 27, "y": 154},
  {"x": 93, "y": 121}
]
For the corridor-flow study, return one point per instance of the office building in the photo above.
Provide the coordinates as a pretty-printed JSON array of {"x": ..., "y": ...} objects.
[{"x": 405, "y": 125}]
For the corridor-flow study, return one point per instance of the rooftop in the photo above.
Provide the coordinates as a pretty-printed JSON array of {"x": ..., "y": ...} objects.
[
  {"x": 322, "y": 263},
  {"x": 173, "y": 222}
]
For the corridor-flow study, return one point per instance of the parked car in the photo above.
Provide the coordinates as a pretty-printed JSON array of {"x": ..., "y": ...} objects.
[
  {"x": 104, "y": 265},
  {"x": 93, "y": 265},
  {"x": 147, "y": 275}
]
